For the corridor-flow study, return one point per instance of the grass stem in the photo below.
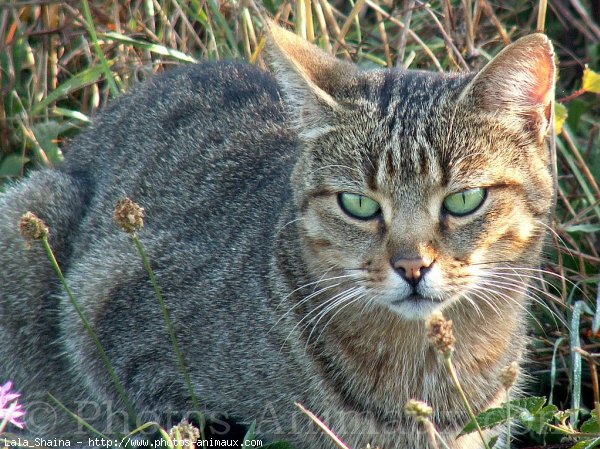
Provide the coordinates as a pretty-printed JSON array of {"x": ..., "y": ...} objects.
[
  {"x": 171, "y": 329},
  {"x": 114, "y": 90},
  {"x": 326, "y": 430},
  {"x": 463, "y": 396},
  {"x": 541, "y": 18},
  {"x": 439, "y": 438},
  {"x": 508, "y": 429},
  {"x": 89, "y": 329}
]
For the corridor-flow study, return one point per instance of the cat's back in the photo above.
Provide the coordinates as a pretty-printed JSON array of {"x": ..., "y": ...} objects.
[
  {"x": 187, "y": 145},
  {"x": 203, "y": 112},
  {"x": 207, "y": 151}
]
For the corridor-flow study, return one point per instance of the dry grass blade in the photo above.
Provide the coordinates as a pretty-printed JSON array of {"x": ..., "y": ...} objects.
[
  {"x": 452, "y": 50},
  {"x": 489, "y": 11},
  {"x": 314, "y": 418},
  {"x": 585, "y": 16},
  {"x": 412, "y": 34},
  {"x": 409, "y": 5},
  {"x": 470, "y": 33},
  {"x": 348, "y": 23},
  {"x": 541, "y": 18}
]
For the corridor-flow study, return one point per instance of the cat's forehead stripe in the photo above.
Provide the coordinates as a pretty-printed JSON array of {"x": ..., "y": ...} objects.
[{"x": 412, "y": 151}]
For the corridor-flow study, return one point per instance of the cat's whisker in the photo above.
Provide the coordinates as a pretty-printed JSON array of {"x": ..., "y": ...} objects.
[
  {"x": 299, "y": 323},
  {"x": 542, "y": 271},
  {"x": 349, "y": 300},
  {"x": 287, "y": 224},
  {"x": 480, "y": 296},
  {"x": 316, "y": 283},
  {"x": 486, "y": 299},
  {"x": 518, "y": 277},
  {"x": 526, "y": 291},
  {"x": 558, "y": 237},
  {"x": 325, "y": 303},
  {"x": 314, "y": 294},
  {"x": 370, "y": 270},
  {"x": 484, "y": 289},
  {"x": 323, "y": 276},
  {"x": 340, "y": 299},
  {"x": 350, "y": 277},
  {"x": 492, "y": 262},
  {"x": 370, "y": 301},
  {"x": 539, "y": 271},
  {"x": 304, "y": 300},
  {"x": 466, "y": 296}
]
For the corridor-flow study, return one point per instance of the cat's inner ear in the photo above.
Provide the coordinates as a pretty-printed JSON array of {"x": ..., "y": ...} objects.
[
  {"x": 310, "y": 79},
  {"x": 518, "y": 84}
]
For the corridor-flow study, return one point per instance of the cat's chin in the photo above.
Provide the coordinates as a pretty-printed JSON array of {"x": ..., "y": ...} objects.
[{"x": 415, "y": 307}]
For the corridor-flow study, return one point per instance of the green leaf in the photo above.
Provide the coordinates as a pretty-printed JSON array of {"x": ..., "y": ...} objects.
[
  {"x": 71, "y": 114},
  {"x": 591, "y": 81},
  {"x": 493, "y": 442},
  {"x": 560, "y": 115},
  {"x": 154, "y": 48},
  {"x": 524, "y": 410},
  {"x": 46, "y": 134},
  {"x": 587, "y": 444},
  {"x": 83, "y": 78},
  {"x": 488, "y": 419},
  {"x": 250, "y": 435},
  {"x": 23, "y": 60},
  {"x": 543, "y": 417},
  {"x": 12, "y": 165},
  {"x": 533, "y": 404},
  {"x": 577, "y": 108},
  {"x": 587, "y": 228},
  {"x": 591, "y": 425}
]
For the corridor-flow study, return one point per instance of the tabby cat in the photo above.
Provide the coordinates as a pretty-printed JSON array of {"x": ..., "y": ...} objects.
[{"x": 302, "y": 226}]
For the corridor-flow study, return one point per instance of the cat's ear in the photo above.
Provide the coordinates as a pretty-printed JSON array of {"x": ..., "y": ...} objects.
[
  {"x": 518, "y": 85},
  {"x": 310, "y": 79}
]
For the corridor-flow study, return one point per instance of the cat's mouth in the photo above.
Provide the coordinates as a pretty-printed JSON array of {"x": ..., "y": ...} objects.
[
  {"x": 415, "y": 306},
  {"x": 413, "y": 297},
  {"x": 416, "y": 298}
]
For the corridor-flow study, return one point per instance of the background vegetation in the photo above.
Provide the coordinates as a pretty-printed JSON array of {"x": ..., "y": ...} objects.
[{"x": 62, "y": 61}]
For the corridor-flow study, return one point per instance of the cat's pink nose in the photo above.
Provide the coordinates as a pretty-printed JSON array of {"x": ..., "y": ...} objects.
[{"x": 411, "y": 269}]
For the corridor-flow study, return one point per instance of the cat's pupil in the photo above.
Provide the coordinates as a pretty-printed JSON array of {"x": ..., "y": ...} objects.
[
  {"x": 358, "y": 206},
  {"x": 465, "y": 202}
]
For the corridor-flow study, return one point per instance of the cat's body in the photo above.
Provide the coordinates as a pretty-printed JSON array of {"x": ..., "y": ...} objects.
[{"x": 242, "y": 226}]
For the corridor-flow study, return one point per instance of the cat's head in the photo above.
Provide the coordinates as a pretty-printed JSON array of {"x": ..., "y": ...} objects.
[{"x": 416, "y": 189}]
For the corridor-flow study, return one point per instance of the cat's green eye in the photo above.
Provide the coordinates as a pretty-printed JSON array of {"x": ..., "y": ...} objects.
[
  {"x": 359, "y": 206},
  {"x": 465, "y": 202}
]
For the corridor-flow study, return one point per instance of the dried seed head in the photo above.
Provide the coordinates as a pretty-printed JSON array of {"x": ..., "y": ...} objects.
[
  {"x": 32, "y": 227},
  {"x": 419, "y": 409},
  {"x": 440, "y": 333},
  {"x": 509, "y": 375},
  {"x": 188, "y": 432},
  {"x": 129, "y": 215}
]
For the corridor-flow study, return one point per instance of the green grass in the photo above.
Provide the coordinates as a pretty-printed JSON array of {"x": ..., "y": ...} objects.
[{"x": 60, "y": 63}]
